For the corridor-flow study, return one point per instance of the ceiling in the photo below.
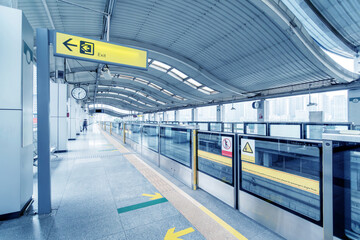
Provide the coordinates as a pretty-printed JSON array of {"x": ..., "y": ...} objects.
[{"x": 200, "y": 52}]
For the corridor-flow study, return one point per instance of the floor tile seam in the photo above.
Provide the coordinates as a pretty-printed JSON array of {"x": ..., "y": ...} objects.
[
  {"x": 188, "y": 197},
  {"x": 111, "y": 190},
  {"x": 52, "y": 226},
  {"x": 66, "y": 186}
]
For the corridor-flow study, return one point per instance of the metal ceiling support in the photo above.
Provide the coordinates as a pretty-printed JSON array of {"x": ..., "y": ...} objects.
[
  {"x": 183, "y": 61},
  {"x": 97, "y": 81},
  {"x": 162, "y": 83},
  {"x": 48, "y": 13},
  {"x": 109, "y": 112},
  {"x": 306, "y": 40},
  {"x": 81, "y": 6},
  {"x": 118, "y": 104},
  {"x": 329, "y": 26},
  {"x": 105, "y": 33}
]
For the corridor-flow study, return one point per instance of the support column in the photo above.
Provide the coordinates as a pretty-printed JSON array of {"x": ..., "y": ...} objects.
[
  {"x": 194, "y": 114},
  {"x": 176, "y": 115},
  {"x": 72, "y": 115},
  {"x": 219, "y": 113},
  {"x": 354, "y": 106},
  {"x": 357, "y": 64},
  {"x": 58, "y": 118},
  {"x": 260, "y": 112},
  {"x": 43, "y": 104}
]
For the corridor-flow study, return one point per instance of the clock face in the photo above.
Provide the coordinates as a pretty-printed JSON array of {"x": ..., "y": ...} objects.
[
  {"x": 256, "y": 105},
  {"x": 78, "y": 93}
]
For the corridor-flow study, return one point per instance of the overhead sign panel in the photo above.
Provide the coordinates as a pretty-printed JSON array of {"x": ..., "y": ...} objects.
[{"x": 71, "y": 46}]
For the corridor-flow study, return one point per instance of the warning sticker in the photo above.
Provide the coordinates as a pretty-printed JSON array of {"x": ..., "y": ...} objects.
[
  {"x": 226, "y": 146},
  {"x": 248, "y": 150}
]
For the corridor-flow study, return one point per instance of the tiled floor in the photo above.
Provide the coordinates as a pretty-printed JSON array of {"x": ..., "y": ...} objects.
[{"x": 91, "y": 181}]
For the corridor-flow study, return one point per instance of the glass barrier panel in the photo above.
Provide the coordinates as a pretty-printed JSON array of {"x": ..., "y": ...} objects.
[
  {"x": 135, "y": 132},
  {"x": 285, "y": 130},
  {"x": 215, "y": 127},
  {"x": 150, "y": 137},
  {"x": 256, "y": 128},
  {"x": 203, "y": 126},
  {"x": 175, "y": 143},
  {"x": 238, "y": 128},
  {"x": 346, "y": 190},
  {"x": 228, "y": 127},
  {"x": 284, "y": 173},
  {"x": 316, "y": 131},
  {"x": 127, "y": 130},
  {"x": 215, "y": 156}
]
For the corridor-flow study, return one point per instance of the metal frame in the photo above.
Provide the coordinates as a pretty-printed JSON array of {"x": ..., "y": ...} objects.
[{"x": 327, "y": 188}]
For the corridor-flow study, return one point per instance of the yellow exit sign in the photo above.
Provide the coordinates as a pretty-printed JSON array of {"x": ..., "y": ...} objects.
[{"x": 71, "y": 46}]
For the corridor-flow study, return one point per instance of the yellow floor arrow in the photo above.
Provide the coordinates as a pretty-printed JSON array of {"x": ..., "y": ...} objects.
[
  {"x": 171, "y": 235},
  {"x": 153, "y": 196}
]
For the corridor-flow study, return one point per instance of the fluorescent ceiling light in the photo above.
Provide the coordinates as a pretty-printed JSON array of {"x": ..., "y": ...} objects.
[
  {"x": 194, "y": 82},
  {"x": 179, "y": 73}
]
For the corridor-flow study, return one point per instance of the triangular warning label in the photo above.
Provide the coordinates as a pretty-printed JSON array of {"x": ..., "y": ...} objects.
[{"x": 247, "y": 148}]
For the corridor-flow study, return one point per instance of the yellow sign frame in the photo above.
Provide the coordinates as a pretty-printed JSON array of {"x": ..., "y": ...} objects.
[{"x": 87, "y": 49}]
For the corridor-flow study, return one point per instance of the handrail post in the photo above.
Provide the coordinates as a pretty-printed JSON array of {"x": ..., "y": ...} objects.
[
  {"x": 124, "y": 134},
  {"x": 327, "y": 199},
  {"x": 194, "y": 158}
]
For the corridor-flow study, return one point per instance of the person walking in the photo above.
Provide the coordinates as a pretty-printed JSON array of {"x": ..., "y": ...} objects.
[{"x": 85, "y": 125}]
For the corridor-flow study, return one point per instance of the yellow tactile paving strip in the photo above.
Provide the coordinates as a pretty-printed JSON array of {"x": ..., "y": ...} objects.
[{"x": 206, "y": 222}]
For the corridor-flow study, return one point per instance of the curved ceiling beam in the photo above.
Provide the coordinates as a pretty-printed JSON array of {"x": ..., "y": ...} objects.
[
  {"x": 280, "y": 15},
  {"x": 144, "y": 75},
  {"x": 108, "y": 112},
  {"x": 133, "y": 85},
  {"x": 122, "y": 98},
  {"x": 142, "y": 88},
  {"x": 129, "y": 96},
  {"x": 320, "y": 28},
  {"x": 133, "y": 95},
  {"x": 155, "y": 50},
  {"x": 162, "y": 83},
  {"x": 117, "y": 104}
]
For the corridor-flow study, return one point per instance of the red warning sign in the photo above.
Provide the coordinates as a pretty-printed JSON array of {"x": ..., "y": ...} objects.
[{"x": 226, "y": 146}]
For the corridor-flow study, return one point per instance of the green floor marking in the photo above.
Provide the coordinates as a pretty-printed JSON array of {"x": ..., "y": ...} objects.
[{"x": 141, "y": 205}]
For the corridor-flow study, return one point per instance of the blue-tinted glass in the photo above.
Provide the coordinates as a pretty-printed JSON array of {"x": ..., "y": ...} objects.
[
  {"x": 256, "y": 128},
  {"x": 135, "y": 133},
  {"x": 316, "y": 131},
  {"x": 175, "y": 143},
  {"x": 150, "y": 137},
  {"x": 215, "y": 127}
]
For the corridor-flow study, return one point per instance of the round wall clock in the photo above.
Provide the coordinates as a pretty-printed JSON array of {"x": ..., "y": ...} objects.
[{"x": 78, "y": 93}]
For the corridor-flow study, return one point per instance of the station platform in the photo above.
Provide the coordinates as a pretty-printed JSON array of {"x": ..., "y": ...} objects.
[{"x": 103, "y": 190}]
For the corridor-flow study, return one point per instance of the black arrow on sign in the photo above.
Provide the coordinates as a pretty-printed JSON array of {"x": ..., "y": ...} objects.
[{"x": 67, "y": 44}]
